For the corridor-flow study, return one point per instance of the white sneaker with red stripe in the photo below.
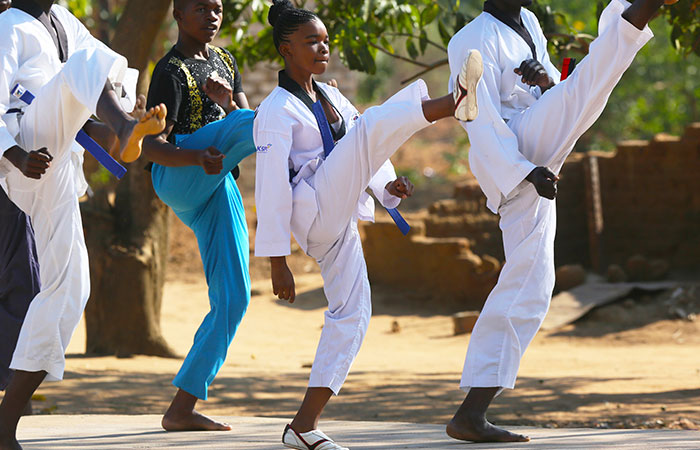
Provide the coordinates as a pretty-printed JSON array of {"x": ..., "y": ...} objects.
[
  {"x": 464, "y": 92},
  {"x": 312, "y": 440}
]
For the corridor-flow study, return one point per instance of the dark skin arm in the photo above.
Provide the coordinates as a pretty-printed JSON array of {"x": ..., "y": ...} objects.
[
  {"x": 220, "y": 91},
  {"x": 282, "y": 278},
  {"x": 534, "y": 74},
  {"x": 160, "y": 151},
  {"x": 32, "y": 164}
]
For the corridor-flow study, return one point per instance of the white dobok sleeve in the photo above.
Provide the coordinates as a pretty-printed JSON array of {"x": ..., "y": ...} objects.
[
  {"x": 384, "y": 175},
  {"x": 494, "y": 147},
  {"x": 546, "y": 62},
  {"x": 9, "y": 64},
  {"x": 273, "y": 193}
]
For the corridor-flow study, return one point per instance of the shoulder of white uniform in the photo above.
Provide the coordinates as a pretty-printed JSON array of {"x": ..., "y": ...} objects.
[
  {"x": 481, "y": 34},
  {"x": 530, "y": 17},
  {"x": 13, "y": 17},
  {"x": 334, "y": 93},
  {"x": 529, "y": 14},
  {"x": 473, "y": 32},
  {"x": 275, "y": 112},
  {"x": 63, "y": 13},
  {"x": 12, "y": 23}
]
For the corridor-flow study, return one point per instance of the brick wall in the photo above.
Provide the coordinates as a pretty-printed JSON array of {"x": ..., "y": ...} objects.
[
  {"x": 650, "y": 193},
  {"x": 651, "y": 199}
]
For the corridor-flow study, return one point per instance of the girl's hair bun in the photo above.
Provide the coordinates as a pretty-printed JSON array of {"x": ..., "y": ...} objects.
[{"x": 276, "y": 10}]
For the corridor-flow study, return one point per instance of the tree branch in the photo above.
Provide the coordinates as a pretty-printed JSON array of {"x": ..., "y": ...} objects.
[
  {"x": 427, "y": 69},
  {"x": 434, "y": 44},
  {"x": 394, "y": 55}
]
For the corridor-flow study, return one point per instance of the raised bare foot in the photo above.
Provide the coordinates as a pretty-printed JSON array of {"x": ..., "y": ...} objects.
[
  {"x": 192, "y": 421},
  {"x": 139, "y": 108},
  {"x": 153, "y": 122},
  {"x": 480, "y": 430}
]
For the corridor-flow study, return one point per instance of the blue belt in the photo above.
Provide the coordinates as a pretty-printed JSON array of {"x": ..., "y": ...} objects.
[
  {"x": 329, "y": 144},
  {"x": 82, "y": 138}
]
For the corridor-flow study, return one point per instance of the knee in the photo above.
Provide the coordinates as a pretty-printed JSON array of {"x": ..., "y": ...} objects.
[
  {"x": 236, "y": 310},
  {"x": 352, "y": 311}
]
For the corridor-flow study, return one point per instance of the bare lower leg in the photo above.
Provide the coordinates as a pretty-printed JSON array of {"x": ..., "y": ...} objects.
[
  {"x": 110, "y": 111},
  {"x": 641, "y": 12},
  {"x": 28, "y": 411},
  {"x": 311, "y": 408},
  {"x": 129, "y": 130},
  {"x": 17, "y": 394},
  {"x": 439, "y": 108},
  {"x": 469, "y": 422},
  {"x": 181, "y": 416}
]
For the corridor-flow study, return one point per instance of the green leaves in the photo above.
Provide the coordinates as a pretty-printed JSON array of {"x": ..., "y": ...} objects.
[
  {"x": 684, "y": 18},
  {"x": 359, "y": 29}
]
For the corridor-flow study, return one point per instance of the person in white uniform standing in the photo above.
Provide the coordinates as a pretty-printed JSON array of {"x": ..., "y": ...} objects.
[
  {"x": 47, "y": 51},
  {"x": 304, "y": 190},
  {"x": 528, "y": 125}
]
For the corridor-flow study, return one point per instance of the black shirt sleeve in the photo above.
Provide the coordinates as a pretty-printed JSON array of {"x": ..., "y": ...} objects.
[
  {"x": 165, "y": 88},
  {"x": 237, "y": 82}
]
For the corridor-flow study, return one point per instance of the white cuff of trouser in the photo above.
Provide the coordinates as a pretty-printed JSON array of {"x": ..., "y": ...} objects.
[{"x": 54, "y": 370}]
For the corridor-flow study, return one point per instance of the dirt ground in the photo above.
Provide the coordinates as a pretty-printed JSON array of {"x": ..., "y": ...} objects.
[{"x": 640, "y": 370}]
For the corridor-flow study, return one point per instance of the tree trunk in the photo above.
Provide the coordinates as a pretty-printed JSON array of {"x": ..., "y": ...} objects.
[{"x": 127, "y": 228}]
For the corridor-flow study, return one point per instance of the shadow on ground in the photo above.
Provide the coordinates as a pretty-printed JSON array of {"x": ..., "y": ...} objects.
[{"x": 423, "y": 398}]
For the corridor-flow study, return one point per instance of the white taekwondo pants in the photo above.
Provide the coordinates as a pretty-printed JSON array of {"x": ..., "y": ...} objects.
[
  {"x": 333, "y": 237},
  {"x": 547, "y": 132},
  {"x": 59, "y": 111}
]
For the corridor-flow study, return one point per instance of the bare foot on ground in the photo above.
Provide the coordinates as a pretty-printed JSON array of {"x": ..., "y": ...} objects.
[
  {"x": 480, "y": 430},
  {"x": 193, "y": 421},
  {"x": 153, "y": 122}
]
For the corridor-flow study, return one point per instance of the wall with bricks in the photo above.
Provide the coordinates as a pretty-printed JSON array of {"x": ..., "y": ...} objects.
[
  {"x": 650, "y": 193},
  {"x": 466, "y": 215},
  {"x": 650, "y": 198}
]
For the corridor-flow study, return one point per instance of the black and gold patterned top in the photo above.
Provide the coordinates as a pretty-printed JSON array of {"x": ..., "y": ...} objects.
[{"x": 177, "y": 82}]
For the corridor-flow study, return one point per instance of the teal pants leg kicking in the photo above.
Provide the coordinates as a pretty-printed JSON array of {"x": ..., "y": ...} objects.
[
  {"x": 212, "y": 207},
  {"x": 185, "y": 188}
]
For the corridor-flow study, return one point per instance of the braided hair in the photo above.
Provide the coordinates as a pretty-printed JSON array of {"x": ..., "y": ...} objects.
[{"x": 286, "y": 19}]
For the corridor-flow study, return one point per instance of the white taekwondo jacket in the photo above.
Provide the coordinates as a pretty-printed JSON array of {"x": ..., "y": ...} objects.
[
  {"x": 287, "y": 138},
  {"x": 494, "y": 157}
]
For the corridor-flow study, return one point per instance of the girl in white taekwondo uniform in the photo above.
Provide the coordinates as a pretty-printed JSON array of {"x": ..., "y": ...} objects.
[
  {"x": 319, "y": 199},
  {"x": 527, "y": 127},
  {"x": 47, "y": 51}
]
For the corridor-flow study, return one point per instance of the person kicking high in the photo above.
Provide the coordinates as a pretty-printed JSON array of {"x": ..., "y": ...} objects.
[
  {"x": 528, "y": 125},
  {"x": 70, "y": 73}
]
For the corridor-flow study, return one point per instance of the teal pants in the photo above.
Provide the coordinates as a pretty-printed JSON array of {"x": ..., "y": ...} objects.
[{"x": 212, "y": 207}]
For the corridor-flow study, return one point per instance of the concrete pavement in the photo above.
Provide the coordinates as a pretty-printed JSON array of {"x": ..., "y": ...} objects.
[{"x": 143, "y": 432}]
